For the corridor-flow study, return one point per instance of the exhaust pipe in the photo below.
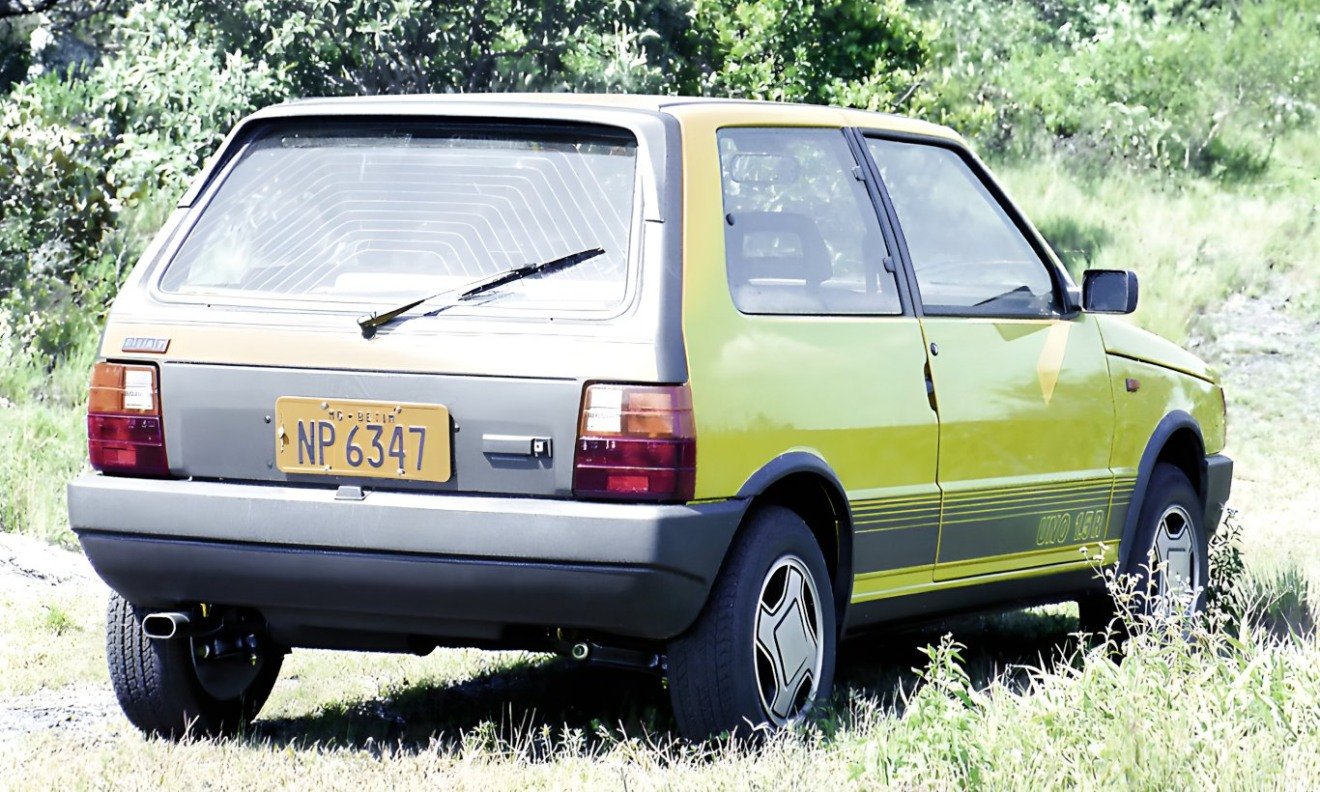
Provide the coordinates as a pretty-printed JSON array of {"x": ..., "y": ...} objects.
[{"x": 165, "y": 626}]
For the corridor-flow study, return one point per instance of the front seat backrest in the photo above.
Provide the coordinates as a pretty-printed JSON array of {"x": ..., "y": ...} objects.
[{"x": 783, "y": 246}]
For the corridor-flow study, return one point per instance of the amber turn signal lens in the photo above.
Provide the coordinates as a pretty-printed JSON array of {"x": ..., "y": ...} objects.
[
  {"x": 123, "y": 390},
  {"x": 636, "y": 442}
]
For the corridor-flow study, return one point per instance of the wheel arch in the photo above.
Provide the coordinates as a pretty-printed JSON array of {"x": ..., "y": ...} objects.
[
  {"x": 1176, "y": 440},
  {"x": 805, "y": 483}
]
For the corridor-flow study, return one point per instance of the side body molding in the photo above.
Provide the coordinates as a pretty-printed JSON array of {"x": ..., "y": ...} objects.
[{"x": 1169, "y": 425}]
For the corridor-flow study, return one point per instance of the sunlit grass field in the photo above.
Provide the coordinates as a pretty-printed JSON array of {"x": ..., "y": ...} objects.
[{"x": 1014, "y": 701}]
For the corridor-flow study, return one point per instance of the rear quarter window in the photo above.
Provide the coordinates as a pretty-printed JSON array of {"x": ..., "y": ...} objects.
[{"x": 801, "y": 235}]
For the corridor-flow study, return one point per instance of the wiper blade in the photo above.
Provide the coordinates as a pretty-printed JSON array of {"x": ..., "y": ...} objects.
[{"x": 370, "y": 324}]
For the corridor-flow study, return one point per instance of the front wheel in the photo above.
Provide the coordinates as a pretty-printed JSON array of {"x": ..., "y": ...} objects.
[
  {"x": 1169, "y": 562},
  {"x": 761, "y": 654},
  {"x": 166, "y": 690}
]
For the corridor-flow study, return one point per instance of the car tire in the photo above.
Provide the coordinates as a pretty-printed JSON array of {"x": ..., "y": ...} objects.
[
  {"x": 1170, "y": 554},
  {"x": 761, "y": 653},
  {"x": 158, "y": 687}
]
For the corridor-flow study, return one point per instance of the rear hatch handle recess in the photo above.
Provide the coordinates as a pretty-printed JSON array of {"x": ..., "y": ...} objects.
[{"x": 370, "y": 324}]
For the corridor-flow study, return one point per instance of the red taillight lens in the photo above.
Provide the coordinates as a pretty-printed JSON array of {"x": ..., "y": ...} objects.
[
  {"x": 636, "y": 442},
  {"x": 124, "y": 431}
]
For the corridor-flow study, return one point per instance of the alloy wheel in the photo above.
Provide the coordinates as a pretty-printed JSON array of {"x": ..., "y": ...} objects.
[
  {"x": 1175, "y": 567},
  {"x": 789, "y": 645}
]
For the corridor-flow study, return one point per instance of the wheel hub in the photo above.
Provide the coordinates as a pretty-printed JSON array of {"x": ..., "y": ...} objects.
[
  {"x": 789, "y": 649},
  {"x": 227, "y": 662},
  {"x": 1176, "y": 569}
]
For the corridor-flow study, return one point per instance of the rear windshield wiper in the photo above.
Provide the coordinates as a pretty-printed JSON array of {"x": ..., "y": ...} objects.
[{"x": 370, "y": 324}]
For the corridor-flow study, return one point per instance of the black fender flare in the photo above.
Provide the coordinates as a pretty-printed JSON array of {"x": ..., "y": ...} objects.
[
  {"x": 1175, "y": 421},
  {"x": 795, "y": 462}
]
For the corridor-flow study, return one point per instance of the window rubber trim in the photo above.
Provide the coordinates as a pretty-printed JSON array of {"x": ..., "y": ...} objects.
[{"x": 235, "y": 148}]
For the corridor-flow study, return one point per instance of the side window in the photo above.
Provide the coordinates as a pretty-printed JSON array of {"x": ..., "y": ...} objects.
[
  {"x": 968, "y": 255},
  {"x": 801, "y": 235}
]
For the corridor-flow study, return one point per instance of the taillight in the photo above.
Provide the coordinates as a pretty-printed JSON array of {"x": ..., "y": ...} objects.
[
  {"x": 636, "y": 442},
  {"x": 124, "y": 432}
]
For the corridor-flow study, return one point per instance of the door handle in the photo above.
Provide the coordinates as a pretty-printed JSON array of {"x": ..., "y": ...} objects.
[{"x": 930, "y": 388}]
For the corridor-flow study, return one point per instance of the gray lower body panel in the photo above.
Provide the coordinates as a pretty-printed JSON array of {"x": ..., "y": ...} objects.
[
  {"x": 1218, "y": 484},
  {"x": 399, "y": 564}
]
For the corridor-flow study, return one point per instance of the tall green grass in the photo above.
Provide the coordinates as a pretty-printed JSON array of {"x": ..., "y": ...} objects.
[
  {"x": 1192, "y": 242},
  {"x": 43, "y": 437}
]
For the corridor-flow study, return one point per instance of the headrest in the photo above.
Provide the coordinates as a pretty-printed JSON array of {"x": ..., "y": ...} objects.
[{"x": 780, "y": 245}]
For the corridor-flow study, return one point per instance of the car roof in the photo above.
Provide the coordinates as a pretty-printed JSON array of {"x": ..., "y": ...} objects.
[{"x": 721, "y": 110}]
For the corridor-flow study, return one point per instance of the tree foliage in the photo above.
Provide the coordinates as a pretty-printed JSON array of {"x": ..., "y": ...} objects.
[
  {"x": 91, "y": 156},
  {"x": 861, "y": 53},
  {"x": 1192, "y": 86},
  {"x": 83, "y": 155}
]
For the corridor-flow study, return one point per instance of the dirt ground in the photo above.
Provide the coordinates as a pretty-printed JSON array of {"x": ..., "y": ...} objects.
[
  {"x": 1268, "y": 355},
  {"x": 32, "y": 573}
]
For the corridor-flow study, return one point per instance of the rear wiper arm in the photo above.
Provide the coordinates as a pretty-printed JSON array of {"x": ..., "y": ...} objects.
[{"x": 370, "y": 324}]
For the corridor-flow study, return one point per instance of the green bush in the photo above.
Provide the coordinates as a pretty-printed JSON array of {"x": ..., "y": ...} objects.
[
  {"x": 1200, "y": 87},
  {"x": 412, "y": 46},
  {"x": 81, "y": 154},
  {"x": 89, "y": 161},
  {"x": 861, "y": 53}
]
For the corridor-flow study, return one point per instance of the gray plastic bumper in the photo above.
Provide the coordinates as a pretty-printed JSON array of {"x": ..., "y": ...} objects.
[
  {"x": 1218, "y": 484},
  {"x": 405, "y": 563}
]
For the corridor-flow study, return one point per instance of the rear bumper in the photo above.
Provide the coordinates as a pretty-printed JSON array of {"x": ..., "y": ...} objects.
[
  {"x": 1218, "y": 484},
  {"x": 403, "y": 565}
]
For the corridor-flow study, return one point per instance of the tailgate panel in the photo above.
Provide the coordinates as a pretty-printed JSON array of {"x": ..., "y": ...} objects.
[{"x": 220, "y": 423}]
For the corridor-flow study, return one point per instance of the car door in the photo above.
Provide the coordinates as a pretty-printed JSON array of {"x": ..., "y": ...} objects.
[
  {"x": 1020, "y": 380},
  {"x": 808, "y": 343}
]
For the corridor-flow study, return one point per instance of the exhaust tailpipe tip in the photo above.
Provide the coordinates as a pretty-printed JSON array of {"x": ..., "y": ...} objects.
[
  {"x": 581, "y": 651},
  {"x": 165, "y": 626}
]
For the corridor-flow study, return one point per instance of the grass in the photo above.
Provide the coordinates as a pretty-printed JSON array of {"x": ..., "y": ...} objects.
[
  {"x": 1191, "y": 242},
  {"x": 51, "y": 642},
  {"x": 46, "y": 446},
  {"x": 1013, "y": 701},
  {"x": 43, "y": 431}
]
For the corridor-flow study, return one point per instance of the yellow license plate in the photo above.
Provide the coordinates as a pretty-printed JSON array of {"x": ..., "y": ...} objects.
[{"x": 334, "y": 437}]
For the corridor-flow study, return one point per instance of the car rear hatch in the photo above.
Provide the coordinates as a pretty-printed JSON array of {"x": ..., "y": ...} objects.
[{"x": 250, "y": 303}]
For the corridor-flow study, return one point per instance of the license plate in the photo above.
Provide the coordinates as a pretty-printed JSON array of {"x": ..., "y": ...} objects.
[{"x": 334, "y": 437}]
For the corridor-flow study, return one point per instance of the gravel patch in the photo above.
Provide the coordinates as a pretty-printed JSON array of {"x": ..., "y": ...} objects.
[
  {"x": 82, "y": 710},
  {"x": 30, "y": 566}
]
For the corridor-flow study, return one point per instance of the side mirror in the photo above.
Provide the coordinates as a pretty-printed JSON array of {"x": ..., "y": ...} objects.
[{"x": 1109, "y": 291}]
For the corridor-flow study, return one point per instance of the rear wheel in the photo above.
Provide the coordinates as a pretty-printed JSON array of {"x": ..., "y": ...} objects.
[
  {"x": 761, "y": 654},
  {"x": 166, "y": 690}
]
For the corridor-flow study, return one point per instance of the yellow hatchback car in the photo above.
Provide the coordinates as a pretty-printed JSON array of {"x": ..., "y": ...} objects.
[{"x": 695, "y": 386}]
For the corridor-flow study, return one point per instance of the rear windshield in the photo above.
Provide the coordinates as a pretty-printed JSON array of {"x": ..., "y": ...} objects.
[{"x": 379, "y": 212}]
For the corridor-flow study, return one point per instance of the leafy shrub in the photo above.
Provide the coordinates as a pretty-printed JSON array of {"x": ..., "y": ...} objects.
[
  {"x": 861, "y": 53},
  {"x": 421, "y": 46},
  {"x": 79, "y": 154},
  {"x": 1175, "y": 86}
]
